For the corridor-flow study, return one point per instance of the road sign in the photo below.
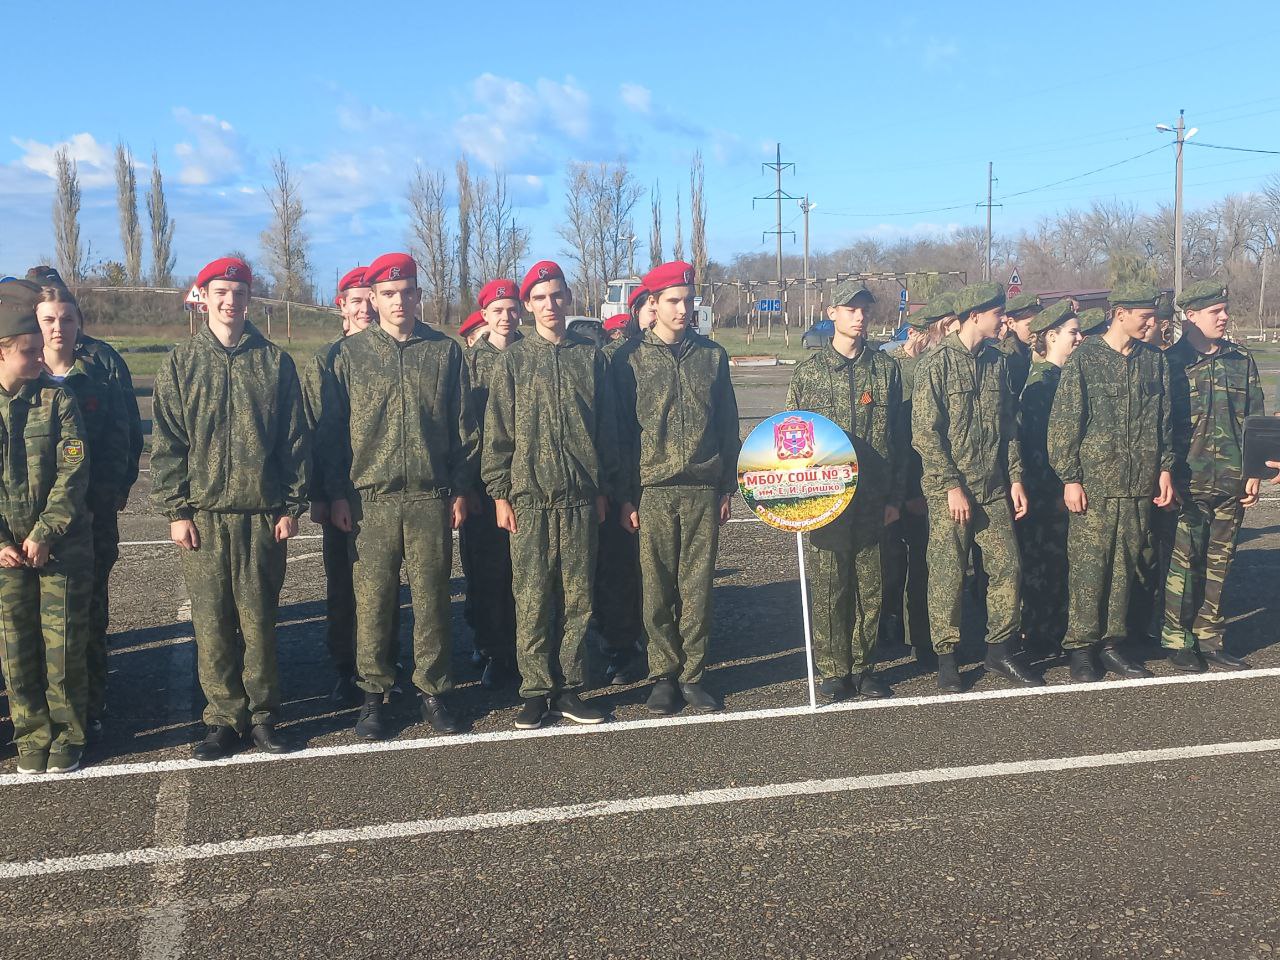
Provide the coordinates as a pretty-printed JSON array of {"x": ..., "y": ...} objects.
[
  {"x": 1015, "y": 284},
  {"x": 194, "y": 297},
  {"x": 769, "y": 306},
  {"x": 902, "y": 300}
]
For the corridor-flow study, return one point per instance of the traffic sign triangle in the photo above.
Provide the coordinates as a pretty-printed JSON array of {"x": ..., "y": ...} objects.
[{"x": 1015, "y": 280}]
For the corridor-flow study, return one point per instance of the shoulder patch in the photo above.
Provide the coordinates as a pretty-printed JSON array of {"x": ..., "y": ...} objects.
[{"x": 72, "y": 451}]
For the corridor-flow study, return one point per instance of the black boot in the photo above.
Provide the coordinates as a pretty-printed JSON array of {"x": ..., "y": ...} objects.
[
  {"x": 1112, "y": 659},
  {"x": 218, "y": 743},
  {"x": 697, "y": 696},
  {"x": 1002, "y": 660},
  {"x": 1188, "y": 661},
  {"x": 1083, "y": 669},
  {"x": 949, "y": 674},
  {"x": 870, "y": 685},
  {"x": 267, "y": 739},
  {"x": 665, "y": 698},
  {"x": 369, "y": 726},
  {"x": 1220, "y": 658},
  {"x": 532, "y": 714},
  {"x": 835, "y": 689},
  {"x": 437, "y": 714}
]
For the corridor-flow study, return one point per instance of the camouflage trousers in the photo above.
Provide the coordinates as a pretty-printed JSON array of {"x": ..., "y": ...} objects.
[
  {"x": 106, "y": 551},
  {"x": 845, "y": 593},
  {"x": 1203, "y": 548},
  {"x": 414, "y": 535},
  {"x": 617, "y": 591},
  {"x": 44, "y": 622},
  {"x": 1042, "y": 539},
  {"x": 234, "y": 581},
  {"x": 1104, "y": 544},
  {"x": 1146, "y": 599},
  {"x": 906, "y": 576},
  {"x": 990, "y": 529},
  {"x": 553, "y": 562},
  {"x": 679, "y": 538},
  {"x": 486, "y": 549},
  {"x": 339, "y": 600}
]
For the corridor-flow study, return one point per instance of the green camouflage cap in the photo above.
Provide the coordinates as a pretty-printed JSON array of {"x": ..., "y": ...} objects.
[
  {"x": 977, "y": 297},
  {"x": 18, "y": 300},
  {"x": 1135, "y": 295},
  {"x": 1093, "y": 321},
  {"x": 1052, "y": 315},
  {"x": 919, "y": 318},
  {"x": 847, "y": 290},
  {"x": 1203, "y": 294},
  {"x": 1023, "y": 305},
  {"x": 933, "y": 311}
]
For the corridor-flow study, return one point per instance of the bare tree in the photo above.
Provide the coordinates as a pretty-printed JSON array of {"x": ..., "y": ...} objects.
[
  {"x": 127, "y": 204},
  {"x": 284, "y": 242},
  {"x": 655, "y": 228},
  {"x": 432, "y": 242},
  {"x": 599, "y": 202},
  {"x": 162, "y": 259},
  {"x": 466, "y": 194},
  {"x": 677, "y": 250},
  {"x": 498, "y": 243},
  {"x": 698, "y": 218},
  {"x": 73, "y": 260}
]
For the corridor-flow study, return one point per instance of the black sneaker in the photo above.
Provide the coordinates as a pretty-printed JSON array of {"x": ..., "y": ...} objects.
[
  {"x": 566, "y": 704},
  {"x": 369, "y": 726},
  {"x": 532, "y": 714},
  {"x": 437, "y": 714}
]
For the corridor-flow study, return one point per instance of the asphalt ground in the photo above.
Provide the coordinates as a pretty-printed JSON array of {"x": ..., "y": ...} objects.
[{"x": 1126, "y": 819}]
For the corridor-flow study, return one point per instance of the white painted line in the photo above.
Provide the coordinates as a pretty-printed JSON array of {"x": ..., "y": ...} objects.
[
  {"x": 146, "y": 856},
  {"x": 629, "y": 726},
  {"x": 162, "y": 928}
]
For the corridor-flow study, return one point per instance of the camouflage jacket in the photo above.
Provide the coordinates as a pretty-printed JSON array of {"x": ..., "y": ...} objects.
[
  {"x": 118, "y": 372},
  {"x": 913, "y": 470},
  {"x": 397, "y": 418},
  {"x": 1043, "y": 485},
  {"x": 228, "y": 430},
  {"x": 550, "y": 431},
  {"x": 44, "y": 464},
  {"x": 964, "y": 421},
  {"x": 105, "y": 420},
  {"x": 677, "y": 416},
  {"x": 482, "y": 359},
  {"x": 315, "y": 387},
  {"x": 1210, "y": 395},
  {"x": 1020, "y": 360},
  {"x": 1109, "y": 424},
  {"x": 862, "y": 396}
]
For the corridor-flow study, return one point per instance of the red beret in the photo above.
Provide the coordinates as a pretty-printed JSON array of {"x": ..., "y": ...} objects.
[
  {"x": 501, "y": 289},
  {"x": 390, "y": 266},
  {"x": 677, "y": 273},
  {"x": 638, "y": 294},
  {"x": 542, "y": 270},
  {"x": 353, "y": 278},
  {"x": 227, "y": 268},
  {"x": 475, "y": 320},
  {"x": 618, "y": 321}
]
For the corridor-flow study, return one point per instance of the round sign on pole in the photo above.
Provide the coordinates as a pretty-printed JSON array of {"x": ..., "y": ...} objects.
[{"x": 797, "y": 471}]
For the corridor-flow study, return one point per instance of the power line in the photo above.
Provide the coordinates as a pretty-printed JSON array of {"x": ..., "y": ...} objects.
[{"x": 1217, "y": 146}]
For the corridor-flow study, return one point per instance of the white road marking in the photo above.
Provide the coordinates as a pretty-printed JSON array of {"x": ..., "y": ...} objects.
[
  {"x": 162, "y": 931},
  {"x": 507, "y": 819},
  {"x": 152, "y": 767}
]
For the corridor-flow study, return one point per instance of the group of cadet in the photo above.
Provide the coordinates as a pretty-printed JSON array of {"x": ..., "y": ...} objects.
[{"x": 590, "y": 481}]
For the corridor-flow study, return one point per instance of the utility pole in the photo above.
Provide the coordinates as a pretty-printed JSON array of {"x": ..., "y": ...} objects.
[
  {"x": 986, "y": 269},
  {"x": 778, "y": 196},
  {"x": 631, "y": 254},
  {"x": 1177, "y": 214},
  {"x": 1262, "y": 292},
  {"x": 806, "y": 206}
]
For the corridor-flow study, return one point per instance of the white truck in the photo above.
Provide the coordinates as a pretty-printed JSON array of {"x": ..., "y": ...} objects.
[{"x": 619, "y": 291}]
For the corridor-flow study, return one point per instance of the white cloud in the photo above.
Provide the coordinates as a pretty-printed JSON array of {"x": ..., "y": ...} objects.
[
  {"x": 637, "y": 98},
  {"x": 93, "y": 159},
  {"x": 213, "y": 154}
]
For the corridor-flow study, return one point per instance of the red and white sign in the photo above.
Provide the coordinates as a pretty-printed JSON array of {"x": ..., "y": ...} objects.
[
  {"x": 1015, "y": 284},
  {"x": 195, "y": 299}
]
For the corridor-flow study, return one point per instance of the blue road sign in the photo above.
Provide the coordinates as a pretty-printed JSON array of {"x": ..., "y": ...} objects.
[
  {"x": 769, "y": 306},
  {"x": 902, "y": 300}
]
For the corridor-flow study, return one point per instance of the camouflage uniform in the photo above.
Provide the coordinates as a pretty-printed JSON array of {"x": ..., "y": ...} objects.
[
  {"x": 1211, "y": 394},
  {"x": 484, "y": 545},
  {"x": 118, "y": 373},
  {"x": 863, "y": 396},
  {"x": 550, "y": 450},
  {"x": 335, "y": 544},
  {"x": 617, "y": 591},
  {"x": 1019, "y": 359},
  {"x": 678, "y": 441},
  {"x": 1042, "y": 533},
  {"x": 964, "y": 426},
  {"x": 398, "y": 421},
  {"x": 1108, "y": 430},
  {"x": 230, "y": 452},
  {"x": 44, "y": 614},
  {"x": 106, "y": 431}
]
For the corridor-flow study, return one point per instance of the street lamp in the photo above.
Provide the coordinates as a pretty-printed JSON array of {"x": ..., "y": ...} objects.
[{"x": 1182, "y": 136}]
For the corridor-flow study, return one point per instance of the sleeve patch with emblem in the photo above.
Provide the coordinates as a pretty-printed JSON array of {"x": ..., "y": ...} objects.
[{"x": 72, "y": 451}]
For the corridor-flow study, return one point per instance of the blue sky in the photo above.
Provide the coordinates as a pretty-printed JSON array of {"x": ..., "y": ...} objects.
[{"x": 889, "y": 111}]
